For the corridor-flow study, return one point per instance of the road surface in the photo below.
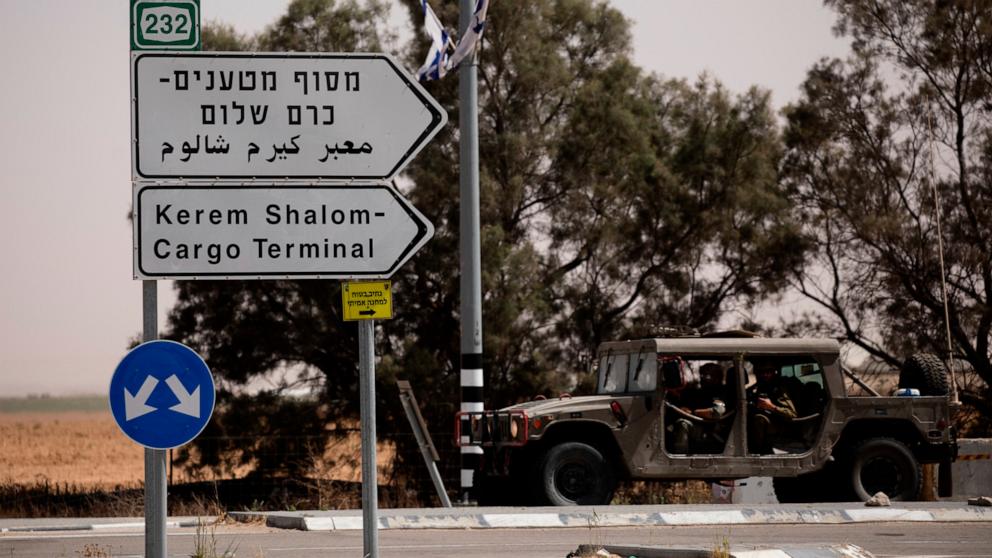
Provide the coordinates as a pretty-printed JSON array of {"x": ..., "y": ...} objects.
[{"x": 932, "y": 539}]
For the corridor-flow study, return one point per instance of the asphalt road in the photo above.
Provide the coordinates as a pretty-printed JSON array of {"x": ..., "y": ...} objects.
[{"x": 257, "y": 541}]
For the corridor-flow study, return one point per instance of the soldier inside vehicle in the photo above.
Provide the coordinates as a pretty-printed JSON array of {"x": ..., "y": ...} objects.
[
  {"x": 784, "y": 406},
  {"x": 698, "y": 418}
]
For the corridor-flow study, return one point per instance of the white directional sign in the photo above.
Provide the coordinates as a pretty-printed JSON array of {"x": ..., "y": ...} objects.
[
  {"x": 266, "y": 232},
  {"x": 231, "y": 116}
]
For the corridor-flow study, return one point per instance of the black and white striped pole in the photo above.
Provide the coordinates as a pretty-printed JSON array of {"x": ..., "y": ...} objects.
[
  {"x": 471, "y": 264},
  {"x": 471, "y": 390}
]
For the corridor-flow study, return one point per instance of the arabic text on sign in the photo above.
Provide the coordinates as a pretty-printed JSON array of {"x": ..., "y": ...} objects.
[{"x": 280, "y": 152}]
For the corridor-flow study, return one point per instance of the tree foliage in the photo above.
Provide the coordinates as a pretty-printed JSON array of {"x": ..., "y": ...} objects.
[{"x": 862, "y": 142}]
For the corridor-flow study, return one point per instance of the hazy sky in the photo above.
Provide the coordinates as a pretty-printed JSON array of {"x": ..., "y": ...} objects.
[{"x": 68, "y": 303}]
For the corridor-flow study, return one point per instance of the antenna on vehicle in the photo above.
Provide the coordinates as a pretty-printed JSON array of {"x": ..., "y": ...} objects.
[{"x": 940, "y": 251}]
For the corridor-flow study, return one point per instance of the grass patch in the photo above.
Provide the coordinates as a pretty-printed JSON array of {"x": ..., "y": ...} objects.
[
  {"x": 663, "y": 492},
  {"x": 208, "y": 498}
]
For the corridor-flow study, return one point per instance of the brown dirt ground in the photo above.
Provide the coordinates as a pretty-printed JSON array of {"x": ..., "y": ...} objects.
[{"x": 75, "y": 447}]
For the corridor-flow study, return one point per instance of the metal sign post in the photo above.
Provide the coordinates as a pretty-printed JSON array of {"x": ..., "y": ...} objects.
[
  {"x": 362, "y": 302},
  {"x": 156, "y": 489},
  {"x": 370, "y": 479}
]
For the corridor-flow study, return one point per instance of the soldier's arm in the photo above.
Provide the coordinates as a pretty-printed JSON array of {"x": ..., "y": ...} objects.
[{"x": 785, "y": 407}]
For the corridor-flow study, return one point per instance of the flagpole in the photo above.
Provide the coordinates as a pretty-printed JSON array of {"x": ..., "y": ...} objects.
[{"x": 471, "y": 380}]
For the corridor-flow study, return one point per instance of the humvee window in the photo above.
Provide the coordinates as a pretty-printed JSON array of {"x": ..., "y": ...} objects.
[
  {"x": 613, "y": 373},
  {"x": 643, "y": 372},
  {"x": 810, "y": 396},
  {"x": 805, "y": 372}
]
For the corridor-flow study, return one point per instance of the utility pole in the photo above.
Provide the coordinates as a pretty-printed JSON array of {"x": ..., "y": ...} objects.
[{"x": 471, "y": 260}]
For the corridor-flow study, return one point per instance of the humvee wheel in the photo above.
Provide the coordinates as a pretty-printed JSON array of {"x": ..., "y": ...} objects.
[
  {"x": 574, "y": 473},
  {"x": 885, "y": 465}
]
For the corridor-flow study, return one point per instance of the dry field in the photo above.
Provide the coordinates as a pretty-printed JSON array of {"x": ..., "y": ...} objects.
[
  {"x": 79, "y": 448},
  {"x": 67, "y": 463},
  {"x": 86, "y": 450}
]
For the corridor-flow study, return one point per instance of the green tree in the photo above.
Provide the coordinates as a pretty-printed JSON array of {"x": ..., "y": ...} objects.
[
  {"x": 670, "y": 210},
  {"x": 861, "y": 142},
  {"x": 329, "y": 26}
]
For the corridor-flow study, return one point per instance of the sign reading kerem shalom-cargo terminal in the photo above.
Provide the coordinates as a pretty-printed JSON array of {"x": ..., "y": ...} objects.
[
  {"x": 266, "y": 232},
  {"x": 278, "y": 116}
]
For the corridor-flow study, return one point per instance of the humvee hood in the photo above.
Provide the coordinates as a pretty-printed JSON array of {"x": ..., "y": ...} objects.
[{"x": 563, "y": 405}]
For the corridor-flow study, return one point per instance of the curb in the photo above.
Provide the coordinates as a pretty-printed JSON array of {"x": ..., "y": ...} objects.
[
  {"x": 845, "y": 550},
  {"x": 493, "y": 518},
  {"x": 138, "y": 524},
  {"x": 522, "y": 518}
]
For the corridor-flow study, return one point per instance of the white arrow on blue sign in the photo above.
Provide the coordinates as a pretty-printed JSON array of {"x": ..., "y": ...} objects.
[{"x": 162, "y": 394}]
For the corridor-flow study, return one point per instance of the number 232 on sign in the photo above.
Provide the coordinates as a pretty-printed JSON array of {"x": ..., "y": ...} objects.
[{"x": 161, "y": 24}]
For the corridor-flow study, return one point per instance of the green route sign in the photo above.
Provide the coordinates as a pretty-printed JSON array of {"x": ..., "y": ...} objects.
[{"x": 165, "y": 24}]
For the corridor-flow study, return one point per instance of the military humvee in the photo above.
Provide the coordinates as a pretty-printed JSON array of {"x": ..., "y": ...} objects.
[{"x": 573, "y": 450}]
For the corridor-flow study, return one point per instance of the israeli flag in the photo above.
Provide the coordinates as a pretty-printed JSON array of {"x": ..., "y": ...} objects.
[
  {"x": 436, "y": 64},
  {"x": 468, "y": 42},
  {"x": 439, "y": 62}
]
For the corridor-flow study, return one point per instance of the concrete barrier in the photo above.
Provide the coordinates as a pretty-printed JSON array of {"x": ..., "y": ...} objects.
[
  {"x": 752, "y": 490},
  {"x": 972, "y": 471}
]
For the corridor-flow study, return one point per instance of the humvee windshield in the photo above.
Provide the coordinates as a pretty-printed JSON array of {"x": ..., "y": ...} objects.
[{"x": 627, "y": 372}]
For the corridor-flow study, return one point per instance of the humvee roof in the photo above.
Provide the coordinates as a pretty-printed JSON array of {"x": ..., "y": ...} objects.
[{"x": 725, "y": 346}]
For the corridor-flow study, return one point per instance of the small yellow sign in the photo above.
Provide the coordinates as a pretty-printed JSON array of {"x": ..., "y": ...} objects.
[{"x": 367, "y": 300}]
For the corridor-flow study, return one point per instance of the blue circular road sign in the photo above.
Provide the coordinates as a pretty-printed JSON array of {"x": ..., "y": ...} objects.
[{"x": 162, "y": 394}]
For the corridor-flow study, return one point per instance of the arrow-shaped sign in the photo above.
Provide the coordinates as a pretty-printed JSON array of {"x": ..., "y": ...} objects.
[
  {"x": 330, "y": 232},
  {"x": 367, "y": 313},
  {"x": 134, "y": 405},
  {"x": 189, "y": 403},
  {"x": 234, "y": 116}
]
